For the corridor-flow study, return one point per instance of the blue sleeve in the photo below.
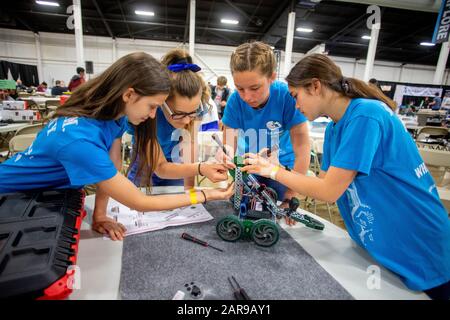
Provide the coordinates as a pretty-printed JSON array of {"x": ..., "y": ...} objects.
[
  {"x": 291, "y": 116},
  {"x": 231, "y": 115},
  {"x": 124, "y": 127},
  {"x": 359, "y": 142},
  {"x": 130, "y": 129},
  {"x": 86, "y": 163},
  {"x": 326, "y": 149}
]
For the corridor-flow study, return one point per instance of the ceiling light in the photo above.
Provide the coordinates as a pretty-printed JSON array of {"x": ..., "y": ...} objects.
[
  {"x": 300, "y": 29},
  {"x": 366, "y": 37},
  {"x": 228, "y": 21},
  {"x": 427, "y": 44},
  {"x": 144, "y": 13},
  {"x": 48, "y": 3}
]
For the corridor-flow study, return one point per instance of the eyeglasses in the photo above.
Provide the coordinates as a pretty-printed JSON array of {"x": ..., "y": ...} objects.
[{"x": 201, "y": 111}]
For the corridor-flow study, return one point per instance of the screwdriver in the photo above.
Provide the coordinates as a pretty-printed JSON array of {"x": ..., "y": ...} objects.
[
  {"x": 187, "y": 236},
  {"x": 238, "y": 291}
]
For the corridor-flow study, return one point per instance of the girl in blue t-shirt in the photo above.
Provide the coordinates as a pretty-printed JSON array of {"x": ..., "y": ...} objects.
[
  {"x": 178, "y": 122},
  {"x": 261, "y": 114},
  {"x": 373, "y": 169},
  {"x": 82, "y": 143}
]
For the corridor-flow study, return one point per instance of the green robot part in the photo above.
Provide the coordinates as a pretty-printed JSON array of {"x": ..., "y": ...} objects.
[
  {"x": 258, "y": 226},
  {"x": 263, "y": 232}
]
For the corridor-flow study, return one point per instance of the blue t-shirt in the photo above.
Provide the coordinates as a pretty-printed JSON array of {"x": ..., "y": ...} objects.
[
  {"x": 265, "y": 127},
  {"x": 438, "y": 103},
  {"x": 392, "y": 208},
  {"x": 67, "y": 153}
]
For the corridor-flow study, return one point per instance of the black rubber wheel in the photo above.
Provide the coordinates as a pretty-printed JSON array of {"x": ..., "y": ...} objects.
[
  {"x": 265, "y": 233},
  {"x": 230, "y": 228}
]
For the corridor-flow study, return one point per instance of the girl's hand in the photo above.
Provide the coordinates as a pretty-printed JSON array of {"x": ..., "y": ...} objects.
[
  {"x": 226, "y": 160},
  {"x": 272, "y": 156},
  {"x": 219, "y": 194},
  {"x": 106, "y": 225},
  {"x": 258, "y": 165},
  {"x": 214, "y": 172}
]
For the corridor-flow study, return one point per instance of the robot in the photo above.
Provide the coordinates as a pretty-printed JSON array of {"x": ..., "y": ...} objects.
[{"x": 256, "y": 211}]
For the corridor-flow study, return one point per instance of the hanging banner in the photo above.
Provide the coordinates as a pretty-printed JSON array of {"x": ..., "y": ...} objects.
[
  {"x": 402, "y": 90},
  {"x": 442, "y": 29}
]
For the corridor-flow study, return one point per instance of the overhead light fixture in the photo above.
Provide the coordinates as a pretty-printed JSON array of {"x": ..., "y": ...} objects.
[
  {"x": 144, "y": 13},
  {"x": 48, "y": 3},
  {"x": 427, "y": 44},
  {"x": 229, "y": 21},
  {"x": 366, "y": 37},
  {"x": 301, "y": 29}
]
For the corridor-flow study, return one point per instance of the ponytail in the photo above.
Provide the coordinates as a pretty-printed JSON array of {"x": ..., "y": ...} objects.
[{"x": 320, "y": 67}]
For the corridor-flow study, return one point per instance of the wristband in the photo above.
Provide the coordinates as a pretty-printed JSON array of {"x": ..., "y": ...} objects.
[
  {"x": 193, "y": 196},
  {"x": 273, "y": 173},
  {"x": 199, "y": 172},
  {"x": 204, "y": 195}
]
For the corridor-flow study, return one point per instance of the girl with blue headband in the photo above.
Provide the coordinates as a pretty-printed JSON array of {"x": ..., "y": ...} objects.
[{"x": 180, "y": 116}]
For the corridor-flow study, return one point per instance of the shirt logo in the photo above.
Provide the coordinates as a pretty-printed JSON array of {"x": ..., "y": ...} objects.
[
  {"x": 273, "y": 125},
  {"x": 361, "y": 214}
]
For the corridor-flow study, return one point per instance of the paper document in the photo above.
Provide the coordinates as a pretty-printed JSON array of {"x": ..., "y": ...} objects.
[{"x": 138, "y": 222}]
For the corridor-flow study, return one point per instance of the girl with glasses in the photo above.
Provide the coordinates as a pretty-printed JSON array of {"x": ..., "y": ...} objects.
[{"x": 177, "y": 121}]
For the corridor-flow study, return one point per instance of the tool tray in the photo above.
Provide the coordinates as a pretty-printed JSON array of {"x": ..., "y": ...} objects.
[{"x": 39, "y": 235}]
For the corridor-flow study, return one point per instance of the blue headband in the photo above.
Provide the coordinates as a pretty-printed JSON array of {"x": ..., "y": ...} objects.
[{"x": 184, "y": 66}]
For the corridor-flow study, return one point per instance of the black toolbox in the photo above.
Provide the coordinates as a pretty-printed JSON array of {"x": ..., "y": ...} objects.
[{"x": 39, "y": 235}]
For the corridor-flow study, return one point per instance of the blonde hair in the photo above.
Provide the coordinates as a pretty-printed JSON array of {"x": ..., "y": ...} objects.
[
  {"x": 253, "y": 56},
  {"x": 222, "y": 81},
  {"x": 321, "y": 67}
]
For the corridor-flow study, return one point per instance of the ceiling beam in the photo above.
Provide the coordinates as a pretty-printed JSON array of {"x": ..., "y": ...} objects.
[
  {"x": 279, "y": 16},
  {"x": 124, "y": 19},
  {"x": 103, "y": 19},
  {"x": 256, "y": 21}
]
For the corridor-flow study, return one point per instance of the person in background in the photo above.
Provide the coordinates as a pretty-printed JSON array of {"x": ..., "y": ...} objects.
[
  {"x": 20, "y": 85},
  {"x": 42, "y": 87},
  {"x": 424, "y": 103},
  {"x": 4, "y": 95},
  {"x": 58, "y": 89},
  {"x": 13, "y": 94},
  {"x": 220, "y": 94},
  {"x": 374, "y": 82},
  {"x": 77, "y": 79},
  {"x": 436, "y": 103}
]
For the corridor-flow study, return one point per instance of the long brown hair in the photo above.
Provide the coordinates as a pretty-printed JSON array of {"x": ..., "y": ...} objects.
[
  {"x": 101, "y": 98},
  {"x": 321, "y": 67},
  {"x": 253, "y": 56}
]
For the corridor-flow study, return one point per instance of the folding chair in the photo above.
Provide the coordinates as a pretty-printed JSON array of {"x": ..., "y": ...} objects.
[{"x": 23, "y": 138}]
